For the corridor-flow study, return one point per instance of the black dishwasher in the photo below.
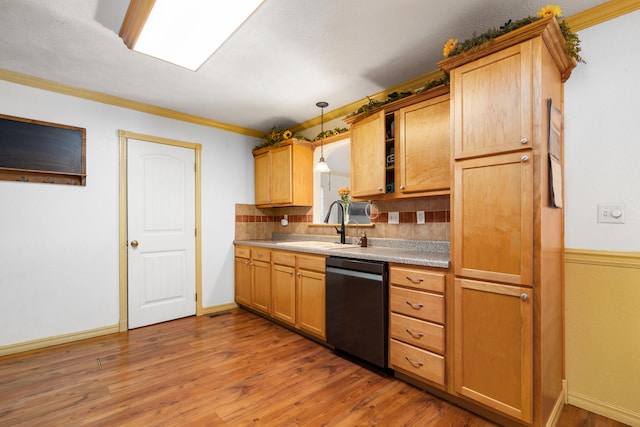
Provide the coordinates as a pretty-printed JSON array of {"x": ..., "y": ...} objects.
[{"x": 356, "y": 308}]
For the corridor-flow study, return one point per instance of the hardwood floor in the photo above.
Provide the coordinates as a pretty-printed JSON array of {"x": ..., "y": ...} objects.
[{"x": 230, "y": 370}]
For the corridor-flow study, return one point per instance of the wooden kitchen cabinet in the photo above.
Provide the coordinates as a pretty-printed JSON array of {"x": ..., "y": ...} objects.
[
  {"x": 298, "y": 283},
  {"x": 403, "y": 150},
  {"x": 494, "y": 346},
  {"x": 493, "y": 102},
  {"x": 242, "y": 269},
  {"x": 284, "y": 174},
  {"x": 283, "y": 281},
  {"x": 368, "y": 175},
  {"x": 424, "y": 146},
  {"x": 253, "y": 278},
  {"x": 261, "y": 279},
  {"x": 506, "y": 235},
  {"x": 311, "y": 286},
  {"x": 417, "y": 323},
  {"x": 493, "y": 218}
]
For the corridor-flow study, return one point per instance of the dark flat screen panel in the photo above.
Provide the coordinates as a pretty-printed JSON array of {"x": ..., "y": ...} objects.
[{"x": 41, "y": 152}]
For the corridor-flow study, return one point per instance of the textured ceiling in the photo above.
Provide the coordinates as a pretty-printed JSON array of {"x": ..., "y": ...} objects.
[{"x": 288, "y": 54}]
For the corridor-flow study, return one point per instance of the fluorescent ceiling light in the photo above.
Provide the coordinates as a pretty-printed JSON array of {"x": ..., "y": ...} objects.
[{"x": 185, "y": 32}]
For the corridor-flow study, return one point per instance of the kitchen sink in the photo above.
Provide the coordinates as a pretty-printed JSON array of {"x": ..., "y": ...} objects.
[{"x": 316, "y": 244}]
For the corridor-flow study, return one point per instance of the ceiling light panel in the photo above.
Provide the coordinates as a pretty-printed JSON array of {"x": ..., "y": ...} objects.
[{"x": 188, "y": 32}]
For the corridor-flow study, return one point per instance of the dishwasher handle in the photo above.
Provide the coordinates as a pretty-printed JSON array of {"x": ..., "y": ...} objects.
[{"x": 356, "y": 274}]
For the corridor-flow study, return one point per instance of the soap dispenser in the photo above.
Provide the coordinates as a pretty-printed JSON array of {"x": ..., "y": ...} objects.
[{"x": 363, "y": 240}]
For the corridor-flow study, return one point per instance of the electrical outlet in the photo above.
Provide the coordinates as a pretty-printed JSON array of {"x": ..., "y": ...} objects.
[
  {"x": 420, "y": 217},
  {"x": 611, "y": 214},
  {"x": 394, "y": 218}
]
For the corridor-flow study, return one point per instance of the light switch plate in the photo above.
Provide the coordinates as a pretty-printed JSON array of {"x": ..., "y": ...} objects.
[
  {"x": 420, "y": 217},
  {"x": 394, "y": 218},
  {"x": 613, "y": 214}
]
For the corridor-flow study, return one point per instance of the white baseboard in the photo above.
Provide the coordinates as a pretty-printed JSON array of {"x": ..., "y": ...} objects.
[
  {"x": 58, "y": 339},
  {"x": 605, "y": 409}
]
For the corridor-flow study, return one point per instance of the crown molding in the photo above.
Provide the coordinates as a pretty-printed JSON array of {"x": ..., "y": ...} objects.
[
  {"x": 601, "y": 13},
  {"x": 51, "y": 86}
]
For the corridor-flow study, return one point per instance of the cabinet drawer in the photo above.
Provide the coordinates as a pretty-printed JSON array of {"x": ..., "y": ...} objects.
[
  {"x": 242, "y": 252},
  {"x": 417, "y": 362},
  {"x": 283, "y": 258},
  {"x": 423, "y": 305},
  {"x": 261, "y": 254},
  {"x": 314, "y": 263},
  {"x": 426, "y": 335},
  {"x": 417, "y": 278}
]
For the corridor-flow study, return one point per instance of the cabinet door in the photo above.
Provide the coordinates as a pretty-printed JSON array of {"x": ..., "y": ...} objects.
[
  {"x": 493, "y": 346},
  {"x": 492, "y": 97},
  {"x": 281, "y": 167},
  {"x": 261, "y": 283},
  {"x": 493, "y": 218},
  {"x": 425, "y": 146},
  {"x": 262, "y": 179},
  {"x": 368, "y": 173},
  {"x": 243, "y": 280},
  {"x": 311, "y": 302},
  {"x": 283, "y": 285}
]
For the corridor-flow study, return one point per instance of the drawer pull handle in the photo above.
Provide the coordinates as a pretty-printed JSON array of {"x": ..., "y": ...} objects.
[
  {"x": 415, "y": 280},
  {"x": 415, "y": 306},
  {"x": 416, "y": 364},
  {"x": 414, "y": 334}
]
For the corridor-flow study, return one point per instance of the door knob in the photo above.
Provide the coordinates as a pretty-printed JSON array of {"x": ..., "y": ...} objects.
[{"x": 134, "y": 243}]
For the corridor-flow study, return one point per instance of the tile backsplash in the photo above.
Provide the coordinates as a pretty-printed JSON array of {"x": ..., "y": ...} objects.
[{"x": 259, "y": 223}]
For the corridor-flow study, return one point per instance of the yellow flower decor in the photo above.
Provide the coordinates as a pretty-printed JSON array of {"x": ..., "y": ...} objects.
[
  {"x": 449, "y": 46},
  {"x": 275, "y": 136},
  {"x": 549, "y": 11},
  {"x": 345, "y": 195},
  {"x": 452, "y": 48}
]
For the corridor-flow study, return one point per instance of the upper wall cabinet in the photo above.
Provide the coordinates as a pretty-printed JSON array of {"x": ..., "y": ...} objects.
[
  {"x": 284, "y": 174},
  {"x": 423, "y": 154},
  {"x": 492, "y": 111},
  {"x": 403, "y": 149},
  {"x": 368, "y": 157}
]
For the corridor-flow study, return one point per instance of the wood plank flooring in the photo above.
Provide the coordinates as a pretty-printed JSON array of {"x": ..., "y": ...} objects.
[{"x": 234, "y": 369}]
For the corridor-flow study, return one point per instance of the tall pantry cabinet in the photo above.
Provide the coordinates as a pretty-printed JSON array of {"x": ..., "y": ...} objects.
[{"x": 507, "y": 236}]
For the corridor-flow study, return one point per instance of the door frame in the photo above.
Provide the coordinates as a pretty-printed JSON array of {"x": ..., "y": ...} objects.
[{"x": 124, "y": 137}]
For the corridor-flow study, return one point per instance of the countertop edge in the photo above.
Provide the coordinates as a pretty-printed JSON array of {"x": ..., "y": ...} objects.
[{"x": 394, "y": 255}]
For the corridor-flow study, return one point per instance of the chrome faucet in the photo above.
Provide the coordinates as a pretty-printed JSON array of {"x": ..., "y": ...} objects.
[{"x": 342, "y": 229}]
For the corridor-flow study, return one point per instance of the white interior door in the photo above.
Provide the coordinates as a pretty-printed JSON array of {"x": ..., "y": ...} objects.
[{"x": 161, "y": 232}]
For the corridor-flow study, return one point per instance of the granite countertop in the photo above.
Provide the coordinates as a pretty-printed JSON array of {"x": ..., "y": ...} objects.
[{"x": 429, "y": 253}]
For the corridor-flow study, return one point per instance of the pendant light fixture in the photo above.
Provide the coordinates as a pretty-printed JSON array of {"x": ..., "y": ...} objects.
[{"x": 322, "y": 166}]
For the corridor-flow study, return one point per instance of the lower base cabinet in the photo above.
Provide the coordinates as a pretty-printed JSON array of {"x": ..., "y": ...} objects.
[
  {"x": 253, "y": 278},
  {"x": 296, "y": 293},
  {"x": 494, "y": 346},
  {"x": 417, "y": 323}
]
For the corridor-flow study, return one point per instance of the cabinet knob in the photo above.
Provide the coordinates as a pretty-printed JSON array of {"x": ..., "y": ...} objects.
[
  {"x": 524, "y": 140},
  {"x": 524, "y": 297},
  {"x": 402, "y": 187},
  {"x": 524, "y": 158},
  {"x": 379, "y": 188},
  {"x": 298, "y": 274}
]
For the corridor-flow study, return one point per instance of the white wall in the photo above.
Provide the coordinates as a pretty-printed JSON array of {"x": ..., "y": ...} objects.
[
  {"x": 602, "y": 140},
  {"x": 59, "y": 244}
]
